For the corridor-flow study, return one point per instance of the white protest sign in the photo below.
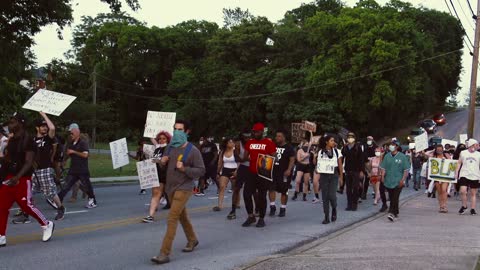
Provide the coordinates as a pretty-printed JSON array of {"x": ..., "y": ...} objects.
[
  {"x": 119, "y": 152},
  {"x": 411, "y": 146},
  {"x": 310, "y": 126},
  {"x": 49, "y": 102},
  {"x": 463, "y": 138},
  {"x": 421, "y": 142},
  {"x": 442, "y": 170},
  {"x": 326, "y": 165},
  {"x": 445, "y": 142},
  {"x": 148, "y": 150},
  {"x": 159, "y": 121},
  {"x": 147, "y": 174}
]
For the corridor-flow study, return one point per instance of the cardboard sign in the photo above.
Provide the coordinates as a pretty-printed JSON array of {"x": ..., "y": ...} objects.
[
  {"x": 316, "y": 140},
  {"x": 463, "y": 138},
  {"x": 148, "y": 150},
  {"x": 49, "y": 102},
  {"x": 421, "y": 142},
  {"x": 265, "y": 166},
  {"x": 298, "y": 132},
  {"x": 442, "y": 170},
  {"x": 159, "y": 121},
  {"x": 326, "y": 165},
  {"x": 119, "y": 152},
  {"x": 445, "y": 141},
  {"x": 309, "y": 126},
  {"x": 147, "y": 174}
]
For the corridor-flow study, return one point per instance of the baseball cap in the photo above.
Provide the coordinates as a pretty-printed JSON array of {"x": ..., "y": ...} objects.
[
  {"x": 351, "y": 135},
  {"x": 73, "y": 126},
  {"x": 258, "y": 127},
  {"x": 370, "y": 138},
  {"x": 471, "y": 142},
  {"x": 40, "y": 122}
]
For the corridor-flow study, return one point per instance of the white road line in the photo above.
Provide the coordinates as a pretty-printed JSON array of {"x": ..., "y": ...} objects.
[
  {"x": 216, "y": 197},
  {"x": 13, "y": 209},
  {"x": 76, "y": 212}
]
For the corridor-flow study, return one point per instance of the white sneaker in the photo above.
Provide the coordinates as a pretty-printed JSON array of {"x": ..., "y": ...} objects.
[
  {"x": 426, "y": 191},
  {"x": 48, "y": 231},
  {"x": 3, "y": 240},
  {"x": 229, "y": 191},
  {"x": 391, "y": 217},
  {"x": 91, "y": 204},
  {"x": 315, "y": 201},
  {"x": 163, "y": 201}
]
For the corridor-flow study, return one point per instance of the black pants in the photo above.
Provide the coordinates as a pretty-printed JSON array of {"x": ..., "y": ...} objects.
[
  {"x": 366, "y": 183},
  {"x": 394, "y": 195},
  {"x": 382, "y": 194},
  {"x": 329, "y": 184},
  {"x": 255, "y": 184},
  {"x": 84, "y": 181},
  {"x": 353, "y": 189}
]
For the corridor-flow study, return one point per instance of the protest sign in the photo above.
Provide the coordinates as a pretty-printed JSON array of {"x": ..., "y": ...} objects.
[
  {"x": 119, "y": 152},
  {"x": 298, "y": 133},
  {"x": 421, "y": 142},
  {"x": 49, "y": 102},
  {"x": 442, "y": 170},
  {"x": 265, "y": 166},
  {"x": 147, "y": 174},
  {"x": 326, "y": 165},
  {"x": 148, "y": 150},
  {"x": 445, "y": 142},
  {"x": 343, "y": 132},
  {"x": 411, "y": 146},
  {"x": 309, "y": 126},
  {"x": 159, "y": 121},
  {"x": 463, "y": 138},
  {"x": 316, "y": 140}
]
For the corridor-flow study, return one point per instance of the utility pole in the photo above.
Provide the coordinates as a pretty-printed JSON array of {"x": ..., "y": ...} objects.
[
  {"x": 94, "y": 95},
  {"x": 473, "y": 82}
]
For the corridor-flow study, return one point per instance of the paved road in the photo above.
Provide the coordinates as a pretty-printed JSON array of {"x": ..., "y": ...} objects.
[{"x": 457, "y": 124}]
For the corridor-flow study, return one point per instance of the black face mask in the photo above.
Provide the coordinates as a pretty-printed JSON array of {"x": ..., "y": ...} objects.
[{"x": 305, "y": 148}]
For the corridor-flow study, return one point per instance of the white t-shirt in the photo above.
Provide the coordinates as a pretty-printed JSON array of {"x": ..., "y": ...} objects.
[
  {"x": 470, "y": 165},
  {"x": 3, "y": 145},
  {"x": 423, "y": 173}
]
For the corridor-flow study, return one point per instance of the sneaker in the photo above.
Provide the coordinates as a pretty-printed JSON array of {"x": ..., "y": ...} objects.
[
  {"x": 391, "y": 218},
  {"x": 190, "y": 246},
  {"x": 60, "y": 213},
  {"x": 273, "y": 209},
  {"x": 294, "y": 198},
  {"x": 383, "y": 209},
  {"x": 142, "y": 192},
  {"x": 260, "y": 223},
  {"x": 24, "y": 219},
  {"x": 148, "y": 219},
  {"x": 200, "y": 194},
  {"x": 91, "y": 204},
  {"x": 19, "y": 213},
  {"x": 315, "y": 201},
  {"x": 304, "y": 198},
  {"x": 216, "y": 209},
  {"x": 52, "y": 204},
  {"x": 3, "y": 240},
  {"x": 232, "y": 215},
  {"x": 473, "y": 212},
  {"x": 162, "y": 259},
  {"x": 249, "y": 221},
  {"x": 48, "y": 231},
  {"x": 230, "y": 191},
  {"x": 163, "y": 201},
  {"x": 282, "y": 212},
  {"x": 462, "y": 210}
]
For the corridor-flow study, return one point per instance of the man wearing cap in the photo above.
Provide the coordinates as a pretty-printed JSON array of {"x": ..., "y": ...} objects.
[
  {"x": 16, "y": 178},
  {"x": 395, "y": 167},
  {"x": 355, "y": 160},
  {"x": 78, "y": 152},
  {"x": 44, "y": 175},
  {"x": 369, "y": 153},
  {"x": 254, "y": 147},
  {"x": 468, "y": 175}
]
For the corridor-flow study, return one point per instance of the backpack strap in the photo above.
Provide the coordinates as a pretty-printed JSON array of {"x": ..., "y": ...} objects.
[{"x": 187, "y": 151}]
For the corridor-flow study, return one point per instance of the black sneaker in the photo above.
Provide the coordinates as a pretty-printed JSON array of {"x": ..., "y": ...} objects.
[
  {"x": 249, "y": 221},
  {"x": 232, "y": 215},
  {"x": 18, "y": 213},
  {"x": 462, "y": 210},
  {"x": 282, "y": 212},
  {"x": 273, "y": 209},
  {"x": 391, "y": 218},
  {"x": 383, "y": 209},
  {"x": 148, "y": 219},
  {"x": 23, "y": 219},
  {"x": 473, "y": 212},
  {"x": 60, "y": 213},
  {"x": 260, "y": 223},
  {"x": 294, "y": 198}
]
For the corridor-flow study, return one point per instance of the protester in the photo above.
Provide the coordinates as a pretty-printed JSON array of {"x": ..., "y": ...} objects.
[
  {"x": 369, "y": 150},
  {"x": 468, "y": 175},
  {"x": 139, "y": 156},
  {"x": 209, "y": 152},
  {"x": 416, "y": 159},
  {"x": 184, "y": 163},
  {"x": 255, "y": 147},
  {"x": 303, "y": 170},
  {"x": 16, "y": 178},
  {"x": 395, "y": 166},
  {"x": 161, "y": 141},
  {"x": 374, "y": 173},
  {"x": 282, "y": 170},
  {"x": 330, "y": 168},
  {"x": 226, "y": 171},
  {"x": 440, "y": 187},
  {"x": 355, "y": 161},
  {"x": 78, "y": 152}
]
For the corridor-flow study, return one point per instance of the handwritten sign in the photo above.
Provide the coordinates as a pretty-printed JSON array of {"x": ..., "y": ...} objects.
[
  {"x": 326, "y": 165},
  {"x": 298, "y": 132},
  {"x": 309, "y": 126},
  {"x": 159, "y": 121},
  {"x": 450, "y": 142},
  {"x": 147, "y": 174},
  {"x": 463, "y": 138},
  {"x": 316, "y": 140},
  {"x": 442, "y": 170},
  {"x": 421, "y": 142},
  {"x": 265, "y": 166},
  {"x": 148, "y": 150},
  {"x": 49, "y": 102},
  {"x": 119, "y": 152}
]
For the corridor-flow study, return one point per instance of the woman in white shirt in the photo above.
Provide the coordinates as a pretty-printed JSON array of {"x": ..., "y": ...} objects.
[
  {"x": 226, "y": 171},
  {"x": 468, "y": 175}
]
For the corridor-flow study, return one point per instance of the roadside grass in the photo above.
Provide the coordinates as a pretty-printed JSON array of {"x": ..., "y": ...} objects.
[{"x": 101, "y": 166}]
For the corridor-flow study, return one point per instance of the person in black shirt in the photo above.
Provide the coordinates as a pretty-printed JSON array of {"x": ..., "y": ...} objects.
[
  {"x": 78, "y": 152},
  {"x": 209, "y": 152},
  {"x": 284, "y": 162},
  {"x": 369, "y": 150},
  {"x": 354, "y": 160},
  {"x": 16, "y": 178}
]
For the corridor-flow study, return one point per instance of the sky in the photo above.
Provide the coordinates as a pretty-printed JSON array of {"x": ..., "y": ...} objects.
[{"x": 163, "y": 13}]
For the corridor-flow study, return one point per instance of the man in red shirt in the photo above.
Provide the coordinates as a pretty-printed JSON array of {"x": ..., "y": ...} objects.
[{"x": 254, "y": 147}]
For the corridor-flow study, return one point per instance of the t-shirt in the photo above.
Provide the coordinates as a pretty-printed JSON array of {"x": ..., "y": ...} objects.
[
  {"x": 394, "y": 167},
  {"x": 15, "y": 154},
  {"x": 282, "y": 160},
  {"x": 158, "y": 154},
  {"x": 79, "y": 165},
  {"x": 44, "y": 152},
  {"x": 470, "y": 165},
  {"x": 208, "y": 150},
  {"x": 327, "y": 161},
  {"x": 256, "y": 147}
]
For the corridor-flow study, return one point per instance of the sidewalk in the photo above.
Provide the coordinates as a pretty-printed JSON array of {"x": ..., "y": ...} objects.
[{"x": 421, "y": 239}]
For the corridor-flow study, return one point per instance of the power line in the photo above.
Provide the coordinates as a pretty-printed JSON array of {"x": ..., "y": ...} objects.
[
  {"x": 474, "y": 16},
  {"x": 461, "y": 24},
  {"x": 465, "y": 14},
  {"x": 462, "y": 28}
]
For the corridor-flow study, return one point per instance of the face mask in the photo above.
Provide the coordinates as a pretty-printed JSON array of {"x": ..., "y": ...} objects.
[
  {"x": 162, "y": 144},
  {"x": 378, "y": 154},
  {"x": 392, "y": 148},
  {"x": 369, "y": 143},
  {"x": 351, "y": 140},
  {"x": 179, "y": 138},
  {"x": 201, "y": 142},
  {"x": 305, "y": 148}
]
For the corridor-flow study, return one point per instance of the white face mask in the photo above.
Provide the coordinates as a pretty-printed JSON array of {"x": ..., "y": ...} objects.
[
  {"x": 378, "y": 154},
  {"x": 162, "y": 144},
  {"x": 201, "y": 142},
  {"x": 351, "y": 140},
  {"x": 369, "y": 143},
  {"x": 392, "y": 148}
]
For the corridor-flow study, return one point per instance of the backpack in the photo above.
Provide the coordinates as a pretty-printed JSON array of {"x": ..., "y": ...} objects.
[{"x": 187, "y": 151}]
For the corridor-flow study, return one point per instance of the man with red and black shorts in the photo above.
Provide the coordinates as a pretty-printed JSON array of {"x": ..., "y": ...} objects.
[
  {"x": 16, "y": 178},
  {"x": 282, "y": 170},
  {"x": 254, "y": 147}
]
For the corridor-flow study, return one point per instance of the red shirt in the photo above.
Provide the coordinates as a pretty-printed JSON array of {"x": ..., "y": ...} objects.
[{"x": 255, "y": 147}]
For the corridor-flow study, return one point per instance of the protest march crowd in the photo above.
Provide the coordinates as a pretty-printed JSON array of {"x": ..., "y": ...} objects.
[{"x": 263, "y": 167}]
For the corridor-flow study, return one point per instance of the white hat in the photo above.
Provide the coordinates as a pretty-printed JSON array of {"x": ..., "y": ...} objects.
[{"x": 471, "y": 142}]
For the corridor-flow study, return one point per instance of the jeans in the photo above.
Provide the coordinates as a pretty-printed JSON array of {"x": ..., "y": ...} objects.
[
  {"x": 84, "y": 181},
  {"x": 353, "y": 189},
  {"x": 416, "y": 178},
  {"x": 394, "y": 195},
  {"x": 178, "y": 212},
  {"x": 329, "y": 184},
  {"x": 255, "y": 184}
]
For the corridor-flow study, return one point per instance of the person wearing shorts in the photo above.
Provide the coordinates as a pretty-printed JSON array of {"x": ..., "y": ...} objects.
[
  {"x": 468, "y": 173},
  {"x": 303, "y": 169},
  {"x": 226, "y": 171},
  {"x": 282, "y": 170},
  {"x": 374, "y": 174},
  {"x": 243, "y": 172}
]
